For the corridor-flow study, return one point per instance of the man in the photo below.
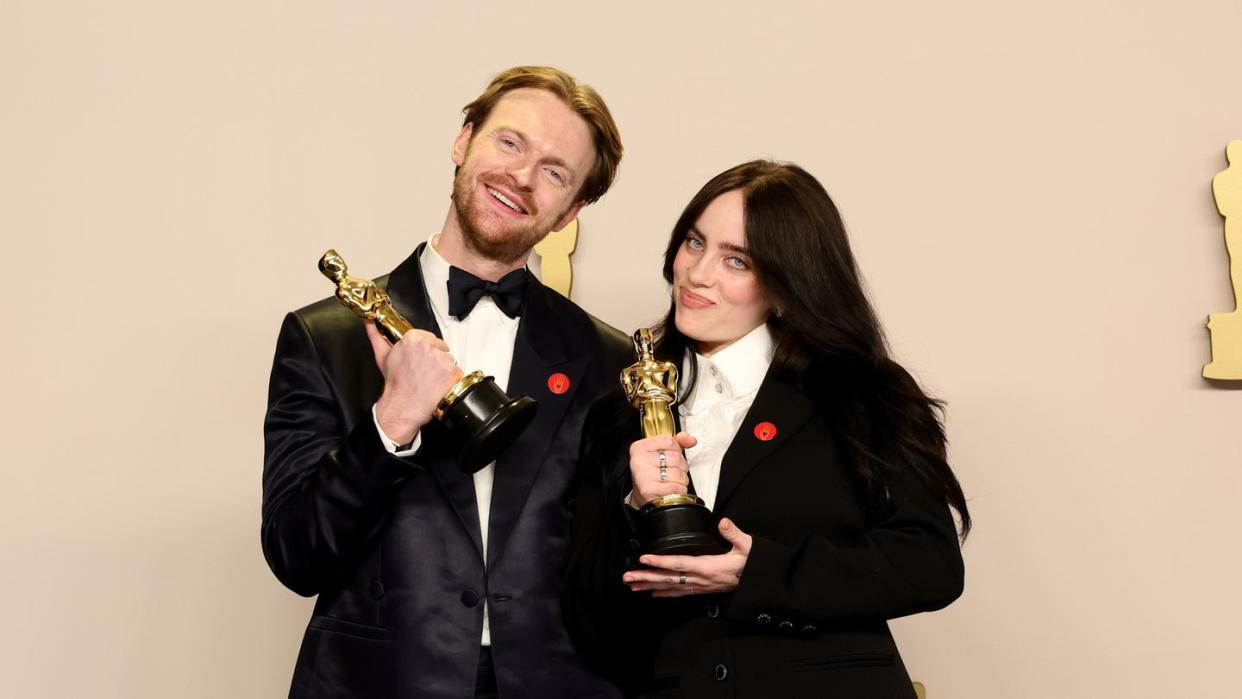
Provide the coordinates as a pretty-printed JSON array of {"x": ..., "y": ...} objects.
[{"x": 433, "y": 582}]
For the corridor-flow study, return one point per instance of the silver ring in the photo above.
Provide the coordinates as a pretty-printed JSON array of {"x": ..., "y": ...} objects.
[
  {"x": 681, "y": 578},
  {"x": 663, "y": 459},
  {"x": 663, "y": 475}
]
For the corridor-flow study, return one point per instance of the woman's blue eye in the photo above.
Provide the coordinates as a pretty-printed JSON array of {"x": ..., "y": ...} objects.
[
  {"x": 738, "y": 263},
  {"x": 694, "y": 243}
]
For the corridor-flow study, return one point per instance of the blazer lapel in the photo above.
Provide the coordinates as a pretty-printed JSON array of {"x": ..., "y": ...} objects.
[
  {"x": 779, "y": 410},
  {"x": 540, "y": 353},
  {"x": 408, "y": 292}
]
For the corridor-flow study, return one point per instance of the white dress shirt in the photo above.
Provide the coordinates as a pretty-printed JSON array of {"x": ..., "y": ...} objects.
[
  {"x": 723, "y": 392},
  {"x": 483, "y": 341}
]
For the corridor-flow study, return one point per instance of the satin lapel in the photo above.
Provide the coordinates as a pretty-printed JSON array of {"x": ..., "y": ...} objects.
[
  {"x": 409, "y": 297},
  {"x": 777, "y": 403},
  {"x": 540, "y": 351}
]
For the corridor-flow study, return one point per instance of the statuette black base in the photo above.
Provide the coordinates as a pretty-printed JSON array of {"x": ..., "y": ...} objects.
[
  {"x": 485, "y": 422},
  {"x": 683, "y": 529}
]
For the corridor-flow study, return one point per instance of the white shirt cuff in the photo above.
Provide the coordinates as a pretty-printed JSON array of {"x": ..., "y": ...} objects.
[
  {"x": 626, "y": 501},
  {"x": 392, "y": 447}
]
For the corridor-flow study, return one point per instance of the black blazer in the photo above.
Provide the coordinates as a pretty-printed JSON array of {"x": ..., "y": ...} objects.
[
  {"x": 392, "y": 546},
  {"x": 824, "y": 573}
]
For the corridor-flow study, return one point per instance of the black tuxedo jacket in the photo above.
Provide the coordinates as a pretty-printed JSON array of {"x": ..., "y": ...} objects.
[
  {"x": 824, "y": 575},
  {"x": 392, "y": 545}
]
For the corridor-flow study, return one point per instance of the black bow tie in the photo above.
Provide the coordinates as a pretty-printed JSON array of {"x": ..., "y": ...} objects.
[{"x": 465, "y": 290}]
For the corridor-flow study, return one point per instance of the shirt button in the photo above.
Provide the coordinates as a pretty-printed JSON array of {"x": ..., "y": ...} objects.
[
  {"x": 763, "y": 618},
  {"x": 713, "y": 371},
  {"x": 719, "y": 388},
  {"x": 721, "y": 673}
]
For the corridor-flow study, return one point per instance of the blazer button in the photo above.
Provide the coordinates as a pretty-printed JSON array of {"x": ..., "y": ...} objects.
[
  {"x": 376, "y": 588},
  {"x": 809, "y": 628},
  {"x": 470, "y": 598},
  {"x": 763, "y": 618},
  {"x": 713, "y": 610},
  {"x": 721, "y": 673},
  {"x": 785, "y": 626}
]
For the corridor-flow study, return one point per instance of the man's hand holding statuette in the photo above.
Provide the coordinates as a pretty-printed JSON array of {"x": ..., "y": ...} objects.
[{"x": 418, "y": 370}]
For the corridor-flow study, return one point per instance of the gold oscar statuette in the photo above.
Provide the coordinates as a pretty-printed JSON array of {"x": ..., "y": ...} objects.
[
  {"x": 480, "y": 420},
  {"x": 669, "y": 524}
]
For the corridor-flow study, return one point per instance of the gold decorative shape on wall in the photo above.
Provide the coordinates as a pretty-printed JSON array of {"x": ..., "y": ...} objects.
[
  {"x": 554, "y": 251},
  {"x": 1226, "y": 328}
]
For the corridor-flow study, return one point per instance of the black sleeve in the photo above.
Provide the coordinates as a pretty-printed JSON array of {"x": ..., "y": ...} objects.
[
  {"x": 326, "y": 491},
  {"x": 601, "y": 612},
  {"x": 907, "y": 561}
]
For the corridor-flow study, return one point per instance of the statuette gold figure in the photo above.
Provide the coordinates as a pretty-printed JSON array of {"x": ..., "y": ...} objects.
[
  {"x": 651, "y": 386},
  {"x": 364, "y": 297}
]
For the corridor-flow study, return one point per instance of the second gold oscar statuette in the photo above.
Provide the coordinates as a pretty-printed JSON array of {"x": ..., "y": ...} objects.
[{"x": 670, "y": 524}]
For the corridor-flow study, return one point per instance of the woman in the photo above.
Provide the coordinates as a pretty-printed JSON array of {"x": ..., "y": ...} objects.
[{"x": 822, "y": 457}]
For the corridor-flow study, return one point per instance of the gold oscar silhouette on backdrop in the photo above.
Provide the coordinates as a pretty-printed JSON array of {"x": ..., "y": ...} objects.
[
  {"x": 556, "y": 271},
  {"x": 1226, "y": 328}
]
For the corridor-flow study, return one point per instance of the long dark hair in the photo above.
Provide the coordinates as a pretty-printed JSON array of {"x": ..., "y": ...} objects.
[{"x": 828, "y": 340}]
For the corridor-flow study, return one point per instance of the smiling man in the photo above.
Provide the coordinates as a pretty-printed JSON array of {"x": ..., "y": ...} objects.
[{"x": 432, "y": 582}]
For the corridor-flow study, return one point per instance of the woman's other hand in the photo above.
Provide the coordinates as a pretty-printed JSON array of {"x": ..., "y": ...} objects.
[{"x": 678, "y": 576}]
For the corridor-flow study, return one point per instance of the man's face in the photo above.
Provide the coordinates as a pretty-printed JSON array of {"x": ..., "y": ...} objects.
[{"x": 520, "y": 173}]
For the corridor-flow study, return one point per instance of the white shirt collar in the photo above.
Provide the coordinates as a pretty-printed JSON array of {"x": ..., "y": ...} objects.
[
  {"x": 435, "y": 277},
  {"x": 733, "y": 372}
]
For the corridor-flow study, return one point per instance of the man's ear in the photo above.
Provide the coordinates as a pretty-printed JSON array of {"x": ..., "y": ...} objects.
[
  {"x": 570, "y": 215},
  {"x": 462, "y": 143}
]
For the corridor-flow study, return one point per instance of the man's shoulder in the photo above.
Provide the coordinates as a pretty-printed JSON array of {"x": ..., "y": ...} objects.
[
  {"x": 328, "y": 317},
  {"x": 612, "y": 343}
]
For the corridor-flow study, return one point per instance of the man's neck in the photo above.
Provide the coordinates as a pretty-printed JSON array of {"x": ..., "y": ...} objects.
[{"x": 451, "y": 245}]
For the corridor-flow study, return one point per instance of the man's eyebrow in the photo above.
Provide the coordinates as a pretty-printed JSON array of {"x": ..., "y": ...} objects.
[{"x": 511, "y": 129}]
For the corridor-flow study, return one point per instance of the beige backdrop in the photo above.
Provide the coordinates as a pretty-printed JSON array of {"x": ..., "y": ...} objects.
[{"x": 1028, "y": 191}]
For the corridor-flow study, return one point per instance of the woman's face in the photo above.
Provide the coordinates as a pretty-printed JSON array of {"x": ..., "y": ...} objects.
[{"x": 717, "y": 297}]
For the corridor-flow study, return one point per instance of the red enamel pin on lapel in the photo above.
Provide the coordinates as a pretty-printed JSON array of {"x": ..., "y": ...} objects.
[
  {"x": 765, "y": 431},
  {"x": 558, "y": 383}
]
